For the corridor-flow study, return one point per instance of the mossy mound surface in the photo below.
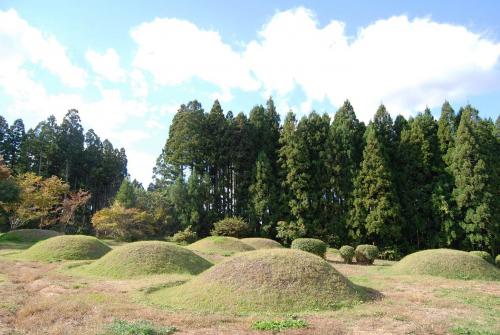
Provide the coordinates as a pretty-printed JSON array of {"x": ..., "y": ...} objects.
[
  {"x": 447, "y": 263},
  {"x": 147, "y": 258},
  {"x": 267, "y": 280},
  {"x": 261, "y": 243},
  {"x": 220, "y": 245},
  {"x": 66, "y": 247},
  {"x": 28, "y": 235}
]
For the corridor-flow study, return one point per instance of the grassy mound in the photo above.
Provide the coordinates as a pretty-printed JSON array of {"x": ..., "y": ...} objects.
[
  {"x": 28, "y": 235},
  {"x": 221, "y": 245},
  {"x": 66, "y": 247},
  {"x": 147, "y": 258},
  {"x": 261, "y": 243},
  {"x": 268, "y": 280},
  {"x": 448, "y": 263}
]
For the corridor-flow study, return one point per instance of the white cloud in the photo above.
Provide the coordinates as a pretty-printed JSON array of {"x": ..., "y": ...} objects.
[
  {"x": 175, "y": 51},
  {"x": 403, "y": 63},
  {"x": 140, "y": 165},
  {"x": 224, "y": 96},
  {"x": 138, "y": 84},
  {"x": 154, "y": 124},
  {"x": 169, "y": 109},
  {"x": 106, "y": 65},
  {"x": 21, "y": 43}
]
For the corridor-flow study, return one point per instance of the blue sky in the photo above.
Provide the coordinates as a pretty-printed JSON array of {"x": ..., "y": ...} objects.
[{"x": 127, "y": 66}]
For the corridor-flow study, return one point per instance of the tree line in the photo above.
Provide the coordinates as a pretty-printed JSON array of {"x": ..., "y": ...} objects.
[
  {"x": 55, "y": 161},
  {"x": 404, "y": 184}
]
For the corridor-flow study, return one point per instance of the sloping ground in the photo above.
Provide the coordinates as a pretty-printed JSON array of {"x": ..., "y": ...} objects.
[
  {"x": 147, "y": 258},
  {"x": 447, "y": 263},
  {"x": 268, "y": 280},
  {"x": 28, "y": 235},
  {"x": 221, "y": 245},
  {"x": 261, "y": 243},
  {"x": 66, "y": 247}
]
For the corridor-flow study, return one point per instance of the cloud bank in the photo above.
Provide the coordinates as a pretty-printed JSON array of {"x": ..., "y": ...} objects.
[{"x": 406, "y": 63}]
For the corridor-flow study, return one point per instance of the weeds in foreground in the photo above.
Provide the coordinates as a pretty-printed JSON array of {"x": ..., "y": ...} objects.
[
  {"x": 279, "y": 325},
  {"x": 122, "y": 327},
  {"x": 470, "y": 331}
]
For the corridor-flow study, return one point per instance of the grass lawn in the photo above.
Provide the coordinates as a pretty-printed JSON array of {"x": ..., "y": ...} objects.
[{"x": 41, "y": 296}]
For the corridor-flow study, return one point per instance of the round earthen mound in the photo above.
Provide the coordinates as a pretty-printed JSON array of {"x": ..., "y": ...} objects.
[
  {"x": 267, "y": 280},
  {"x": 261, "y": 243},
  {"x": 28, "y": 235},
  {"x": 220, "y": 245},
  {"x": 147, "y": 258},
  {"x": 66, "y": 247},
  {"x": 447, "y": 263}
]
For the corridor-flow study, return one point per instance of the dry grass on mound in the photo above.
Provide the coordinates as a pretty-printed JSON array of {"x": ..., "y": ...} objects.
[
  {"x": 261, "y": 243},
  {"x": 65, "y": 247},
  {"x": 270, "y": 280},
  {"x": 220, "y": 245},
  {"x": 28, "y": 235},
  {"x": 447, "y": 263},
  {"x": 146, "y": 258}
]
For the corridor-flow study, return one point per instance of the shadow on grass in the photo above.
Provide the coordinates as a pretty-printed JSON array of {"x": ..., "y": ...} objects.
[
  {"x": 368, "y": 294},
  {"x": 359, "y": 264},
  {"x": 6, "y": 245}
]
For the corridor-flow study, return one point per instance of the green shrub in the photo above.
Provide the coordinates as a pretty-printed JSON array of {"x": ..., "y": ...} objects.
[
  {"x": 484, "y": 255},
  {"x": 389, "y": 254},
  {"x": 186, "y": 236},
  {"x": 231, "y": 226},
  {"x": 458, "y": 330},
  {"x": 347, "y": 253},
  {"x": 279, "y": 325},
  {"x": 311, "y": 245},
  {"x": 497, "y": 261},
  {"x": 366, "y": 253},
  {"x": 289, "y": 231},
  {"x": 121, "y": 327}
]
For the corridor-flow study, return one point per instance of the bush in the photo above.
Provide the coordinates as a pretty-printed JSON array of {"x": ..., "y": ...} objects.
[
  {"x": 231, "y": 226},
  {"x": 497, "y": 261},
  {"x": 279, "y": 325},
  {"x": 347, "y": 253},
  {"x": 289, "y": 231},
  {"x": 484, "y": 255},
  {"x": 390, "y": 255},
  {"x": 124, "y": 224},
  {"x": 122, "y": 327},
  {"x": 366, "y": 253},
  {"x": 311, "y": 245},
  {"x": 186, "y": 236}
]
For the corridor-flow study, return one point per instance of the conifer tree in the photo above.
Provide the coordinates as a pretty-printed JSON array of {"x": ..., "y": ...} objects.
[
  {"x": 347, "y": 150},
  {"x": 126, "y": 196},
  {"x": 472, "y": 192},
  {"x": 384, "y": 128},
  {"x": 308, "y": 176},
  {"x": 198, "y": 191},
  {"x": 400, "y": 124},
  {"x": 4, "y": 133},
  {"x": 420, "y": 168},
  {"x": 375, "y": 214},
  {"x": 286, "y": 142},
  {"x": 13, "y": 144},
  {"x": 263, "y": 195},
  {"x": 446, "y": 129},
  {"x": 216, "y": 160}
]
